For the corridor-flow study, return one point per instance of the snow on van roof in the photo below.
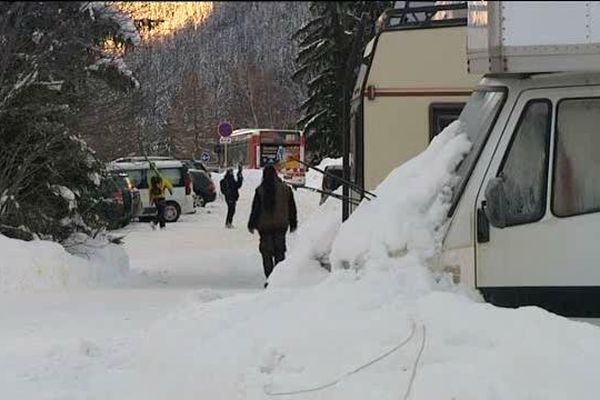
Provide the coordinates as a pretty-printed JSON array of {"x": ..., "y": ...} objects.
[
  {"x": 541, "y": 80},
  {"x": 144, "y": 164}
]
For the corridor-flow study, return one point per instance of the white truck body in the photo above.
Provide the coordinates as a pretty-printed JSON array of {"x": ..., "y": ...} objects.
[
  {"x": 533, "y": 36},
  {"x": 525, "y": 219}
]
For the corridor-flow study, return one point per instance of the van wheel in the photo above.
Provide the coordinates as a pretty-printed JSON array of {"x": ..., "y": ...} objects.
[{"x": 172, "y": 211}]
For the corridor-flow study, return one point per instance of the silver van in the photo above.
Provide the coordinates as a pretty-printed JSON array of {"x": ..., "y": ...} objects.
[{"x": 139, "y": 173}]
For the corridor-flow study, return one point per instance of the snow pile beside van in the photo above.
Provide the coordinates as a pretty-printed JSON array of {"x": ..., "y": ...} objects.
[
  {"x": 410, "y": 208},
  {"x": 43, "y": 265},
  {"x": 307, "y": 262}
]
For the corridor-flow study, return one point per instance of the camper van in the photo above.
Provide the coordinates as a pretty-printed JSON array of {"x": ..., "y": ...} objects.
[
  {"x": 525, "y": 213},
  {"x": 412, "y": 83}
]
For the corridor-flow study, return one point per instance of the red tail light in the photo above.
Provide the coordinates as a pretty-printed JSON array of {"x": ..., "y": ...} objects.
[
  {"x": 211, "y": 187},
  {"x": 118, "y": 197},
  {"x": 188, "y": 184}
]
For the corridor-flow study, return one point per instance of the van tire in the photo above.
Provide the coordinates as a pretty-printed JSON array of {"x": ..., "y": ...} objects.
[{"x": 172, "y": 211}]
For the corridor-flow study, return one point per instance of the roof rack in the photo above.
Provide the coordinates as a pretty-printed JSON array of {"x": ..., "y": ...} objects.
[
  {"x": 142, "y": 158},
  {"x": 420, "y": 17}
]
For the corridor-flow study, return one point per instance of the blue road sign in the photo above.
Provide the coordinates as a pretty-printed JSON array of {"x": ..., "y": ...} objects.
[
  {"x": 225, "y": 129},
  {"x": 205, "y": 157}
]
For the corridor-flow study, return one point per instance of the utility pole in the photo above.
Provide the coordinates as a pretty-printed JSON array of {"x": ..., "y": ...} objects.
[{"x": 195, "y": 112}]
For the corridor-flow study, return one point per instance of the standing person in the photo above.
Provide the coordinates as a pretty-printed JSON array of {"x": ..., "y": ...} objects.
[
  {"x": 230, "y": 189},
  {"x": 273, "y": 211},
  {"x": 158, "y": 187}
]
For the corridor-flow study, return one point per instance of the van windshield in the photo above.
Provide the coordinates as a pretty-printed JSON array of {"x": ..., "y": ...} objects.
[{"x": 477, "y": 120}]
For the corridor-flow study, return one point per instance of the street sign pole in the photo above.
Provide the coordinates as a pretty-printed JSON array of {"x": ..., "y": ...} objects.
[{"x": 225, "y": 130}]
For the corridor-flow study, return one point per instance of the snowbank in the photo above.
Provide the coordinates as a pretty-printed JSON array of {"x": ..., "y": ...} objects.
[
  {"x": 307, "y": 262},
  {"x": 43, "y": 265},
  {"x": 411, "y": 206}
]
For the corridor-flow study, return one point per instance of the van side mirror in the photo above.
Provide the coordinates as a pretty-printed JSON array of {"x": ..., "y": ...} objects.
[{"x": 496, "y": 202}]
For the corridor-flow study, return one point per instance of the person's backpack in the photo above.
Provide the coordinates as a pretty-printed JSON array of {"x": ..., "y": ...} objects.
[{"x": 223, "y": 186}]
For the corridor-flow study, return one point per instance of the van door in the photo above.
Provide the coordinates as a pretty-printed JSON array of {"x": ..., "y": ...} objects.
[{"x": 537, "y": 213}]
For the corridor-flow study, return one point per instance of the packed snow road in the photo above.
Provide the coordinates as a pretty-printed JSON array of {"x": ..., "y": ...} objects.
[{"x": 62, "y": 344}]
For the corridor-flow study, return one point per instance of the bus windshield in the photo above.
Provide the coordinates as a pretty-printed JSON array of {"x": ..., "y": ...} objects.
[{"x": 477, "y": 120}]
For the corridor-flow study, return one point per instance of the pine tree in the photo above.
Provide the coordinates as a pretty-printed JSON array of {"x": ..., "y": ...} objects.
[
  {"x": 325, "y": 43},
  {"x": 49, "y": 177}
]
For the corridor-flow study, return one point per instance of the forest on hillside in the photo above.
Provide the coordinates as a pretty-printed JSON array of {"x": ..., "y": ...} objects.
[{"x": 200, "y": 64}]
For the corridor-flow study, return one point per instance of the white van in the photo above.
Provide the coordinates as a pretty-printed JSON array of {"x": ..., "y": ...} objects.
[
  {"x": 139, "y": 173},
  {"x": 525, "y": 214}
]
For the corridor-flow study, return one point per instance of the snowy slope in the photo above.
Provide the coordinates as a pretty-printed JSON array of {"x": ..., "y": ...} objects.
[{"x": 79, "y": 341}]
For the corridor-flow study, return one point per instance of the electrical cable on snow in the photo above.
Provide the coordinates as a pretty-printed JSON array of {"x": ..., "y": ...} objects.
[
  {"x": 354, "y": 371},
  {"x": 415, "y": 365}
]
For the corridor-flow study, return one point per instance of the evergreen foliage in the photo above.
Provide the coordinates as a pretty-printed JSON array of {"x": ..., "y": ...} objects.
[
  {"x": 52, "y": 53},
  {"x": 325, "y": 43}
]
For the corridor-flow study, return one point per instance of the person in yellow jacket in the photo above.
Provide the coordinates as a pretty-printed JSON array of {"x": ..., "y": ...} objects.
[{"x": 158, "y": 188}]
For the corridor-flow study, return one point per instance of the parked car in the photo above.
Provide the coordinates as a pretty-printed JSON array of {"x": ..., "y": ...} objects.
[
  {"x": 119, "y": 200},
  {"x": 330, "y": 183},
  {"x": 204, "y": 187},
  {"x": 140, "y": 173},
  {"x": 195, "y": 164}
]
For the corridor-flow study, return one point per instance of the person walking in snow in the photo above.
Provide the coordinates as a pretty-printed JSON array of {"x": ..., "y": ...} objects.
[
  {"x": 230, "y": 189},
  {"x": 158, "y": 187},
  {"x": 273, "y": 212}
]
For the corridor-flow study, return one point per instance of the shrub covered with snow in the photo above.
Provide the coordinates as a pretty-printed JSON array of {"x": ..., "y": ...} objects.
[{"x": 48, "y": 175}]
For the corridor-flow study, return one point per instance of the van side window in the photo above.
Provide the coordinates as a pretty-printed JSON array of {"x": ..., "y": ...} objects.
[
  {"x": 576, "y": 186},
  {"x": 136, "y": 177},
  {"x": 174, "y": 175},
  {"x": 525, "y": 167}
]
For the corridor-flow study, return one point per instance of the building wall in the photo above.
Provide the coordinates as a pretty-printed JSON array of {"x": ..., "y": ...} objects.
[{"x": 411, "y": 69}]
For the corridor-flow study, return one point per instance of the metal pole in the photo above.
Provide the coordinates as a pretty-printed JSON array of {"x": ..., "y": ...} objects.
[
  {"x": 353, "y": 60},
  {"x": 226, "y": 164}
]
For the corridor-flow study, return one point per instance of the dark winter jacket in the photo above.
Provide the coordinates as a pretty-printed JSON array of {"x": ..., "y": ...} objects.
[
  {"x": 283, "y": 216},
  {"x": 230, "y": 187}
]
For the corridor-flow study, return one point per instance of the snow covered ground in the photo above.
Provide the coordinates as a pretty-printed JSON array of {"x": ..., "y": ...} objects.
[
  {"x": 191, "y": 321},
  {"x": 68, "y": 325}
]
